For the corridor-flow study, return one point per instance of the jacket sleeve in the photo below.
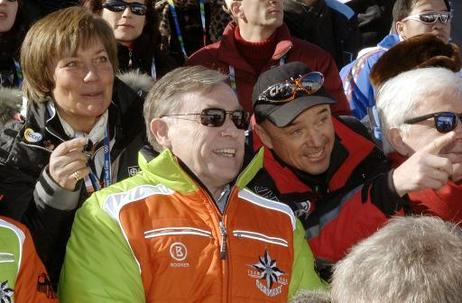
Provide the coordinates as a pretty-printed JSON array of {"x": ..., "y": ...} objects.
[
  {"x": 348, "y": 217},
  {"x": 33, "y": 284},
  {"x": 357, "y": 86},
  {"x": 303, "y": 274},
  {"x": 99, "y": 265},
  {"x": 444, "y": 203}
]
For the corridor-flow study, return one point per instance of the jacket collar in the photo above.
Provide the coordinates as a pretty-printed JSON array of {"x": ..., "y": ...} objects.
[
  {"x": 167, "y": 169},
  {"x": 228, "y": 52}
]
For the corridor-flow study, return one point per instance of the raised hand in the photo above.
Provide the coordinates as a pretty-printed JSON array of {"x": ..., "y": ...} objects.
[
  {"x": 68, "y": 163},
  {"x": 426, "y": 168}
]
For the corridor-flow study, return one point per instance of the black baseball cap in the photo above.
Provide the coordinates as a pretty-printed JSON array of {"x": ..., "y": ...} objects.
[{"x": 281, "y": 114}]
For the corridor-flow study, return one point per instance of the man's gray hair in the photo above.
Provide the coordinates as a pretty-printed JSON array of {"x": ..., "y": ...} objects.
[
  {"x": 410, "y": 260},
  {"x": 166, "y": 96},
  {"x": 398, "y": 98},
  {"x": 311, "y": 296}
]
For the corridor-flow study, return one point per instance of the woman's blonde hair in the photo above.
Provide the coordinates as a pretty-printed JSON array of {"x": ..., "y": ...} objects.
[{"x": 58, "y": 35}]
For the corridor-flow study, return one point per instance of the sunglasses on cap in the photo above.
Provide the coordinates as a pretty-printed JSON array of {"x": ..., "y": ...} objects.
[
  {"x": 287, "y": 91},
  {"x": 120, "y": 5},
  {"x": 431, "y": 17},
  {"x": 444, "y": 121},
  {"x": 215, "y": 117}
]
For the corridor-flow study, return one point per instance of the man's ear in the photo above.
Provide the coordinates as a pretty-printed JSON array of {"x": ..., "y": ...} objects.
[
  {"x": 399, "y": 28},
  {"x": 264, "y": 136},
  {"x": 159, "y": 129},
  {"x": 236, "y": 9},
  {"x": 396, "y": 140}
]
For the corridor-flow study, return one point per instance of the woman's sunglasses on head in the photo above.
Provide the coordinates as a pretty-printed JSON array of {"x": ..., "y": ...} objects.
[
  {"x": 120, "y": 5},
  {"x": 287, "y": 91},
  {"x": 216, "y": 117},
  {"x": 444, "y": 121},
  {"x": 431, "y": 17}
]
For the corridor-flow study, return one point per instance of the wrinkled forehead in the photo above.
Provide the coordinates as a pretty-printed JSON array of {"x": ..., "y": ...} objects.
[
  {"x": 449, "y": 99},
  {"x": 220, "y": 95}
]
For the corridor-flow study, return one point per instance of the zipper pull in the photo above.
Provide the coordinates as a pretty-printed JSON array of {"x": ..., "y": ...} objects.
[
  {"x": 224, "y": 236},
  {"x": 130, "y": 62}
]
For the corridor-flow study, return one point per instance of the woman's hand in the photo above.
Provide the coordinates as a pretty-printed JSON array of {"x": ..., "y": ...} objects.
[{"x": 68, "y": 163}]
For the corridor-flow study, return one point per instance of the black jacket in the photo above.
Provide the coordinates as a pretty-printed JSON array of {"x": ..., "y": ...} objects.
[
  {"x": 28, "y": 193},
  {"x": 325, "y": 27}
]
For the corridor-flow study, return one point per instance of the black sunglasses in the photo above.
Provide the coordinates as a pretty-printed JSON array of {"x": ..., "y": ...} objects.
[
  {"x": 215, "y": 117},
  {"x": 120, "y": 5},
  {"x": 287, "y": 91},
  {"x": 444, "y": 121}
]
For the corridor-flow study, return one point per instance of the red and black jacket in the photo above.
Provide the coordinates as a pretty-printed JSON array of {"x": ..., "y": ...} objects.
[{"x": 347, "y": 203}]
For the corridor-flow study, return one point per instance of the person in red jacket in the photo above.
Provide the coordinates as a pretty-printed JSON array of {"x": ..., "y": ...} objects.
[
  {"x": 258, "y": 40},
  {"x": 326, "y": 168},
  {"x": 429, "y": 111},
  {"x": 23, "y": 277}
]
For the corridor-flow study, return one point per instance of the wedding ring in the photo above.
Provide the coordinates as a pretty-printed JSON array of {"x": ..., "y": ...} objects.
[{"x": 76, "y": 175}]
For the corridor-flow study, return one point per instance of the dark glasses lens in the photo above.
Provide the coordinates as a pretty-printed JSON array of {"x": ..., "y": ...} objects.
[
  {"x": 215, "y": 117},
  {"x": 119, "y": 6},
  {"x": 444, "y": 121},
  {"x": 287, "y": 91}
]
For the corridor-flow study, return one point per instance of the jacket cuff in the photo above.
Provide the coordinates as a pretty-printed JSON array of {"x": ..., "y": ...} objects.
[
  {"x": 48, "y": 193},
  {"x": 385, "y": 197}
]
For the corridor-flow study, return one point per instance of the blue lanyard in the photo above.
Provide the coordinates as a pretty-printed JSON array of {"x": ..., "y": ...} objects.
[
  {"x": 107, "y": 176},
  {"x": 178, "y": 28},
  {"x": 153, "y": 69}
]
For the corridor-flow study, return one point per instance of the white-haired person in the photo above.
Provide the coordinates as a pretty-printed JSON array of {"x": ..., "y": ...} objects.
[
  {"x": 411, "y": 259},
  {"x": 420, "y": 111}
]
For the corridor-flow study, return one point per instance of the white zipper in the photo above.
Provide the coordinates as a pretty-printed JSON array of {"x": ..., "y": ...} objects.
[
  {"x": 259, "y": 237},
  {"x": 172, "y": 231},
  {"x": 6, "y": 258}
]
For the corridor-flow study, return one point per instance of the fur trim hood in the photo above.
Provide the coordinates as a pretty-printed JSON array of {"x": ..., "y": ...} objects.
[
  {"x": 10, "y": 104},
  {"x": 416, "y": 52},
  {"x": 140, "y": 82}
]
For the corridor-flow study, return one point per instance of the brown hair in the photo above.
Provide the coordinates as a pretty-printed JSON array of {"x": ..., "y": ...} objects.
[{"x": 58, "y": 35}]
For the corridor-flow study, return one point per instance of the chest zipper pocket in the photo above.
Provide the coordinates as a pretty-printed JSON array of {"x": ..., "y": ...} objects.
[
  {"x": 175, "y": 231},
  {"x": 6, "y": 258},
  {"x": 245, "y": 234}
]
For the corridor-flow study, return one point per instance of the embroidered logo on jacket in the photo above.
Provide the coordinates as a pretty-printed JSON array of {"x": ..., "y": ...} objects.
[
  {"x": 269, "y": 278},
  {"x": 133, "y": 170},
  {"x": 31, "y": 136},
  {"x": 6, "y": 293},
  {"x": 179, "y": 253}
]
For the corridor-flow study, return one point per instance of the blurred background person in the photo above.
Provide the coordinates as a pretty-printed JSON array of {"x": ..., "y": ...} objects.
[
  {"x": 82, "y": 131},
  {"x": 12, "y": 31},
  {"x": 135, "y": 24},
  {"x": 410, "y": 18},
  {"x": 327, "y": 23},
  {"x": 411, "y": 259}
]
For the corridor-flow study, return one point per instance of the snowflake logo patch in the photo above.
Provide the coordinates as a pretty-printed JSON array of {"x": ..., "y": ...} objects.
[
  {"x": 6, "y": 293},
  {"x": 269, "y": 279}
]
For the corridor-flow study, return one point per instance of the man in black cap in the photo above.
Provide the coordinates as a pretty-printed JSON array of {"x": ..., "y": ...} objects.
[{"x": 324, "y": 167}]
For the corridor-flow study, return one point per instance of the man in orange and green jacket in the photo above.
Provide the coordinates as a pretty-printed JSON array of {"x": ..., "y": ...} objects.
[{"x": 185, "y": 228}]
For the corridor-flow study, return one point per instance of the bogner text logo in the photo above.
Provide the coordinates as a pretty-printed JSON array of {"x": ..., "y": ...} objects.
[
  {"x": 269, "y": 279},
  {"x": 179, "y": 253}
]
